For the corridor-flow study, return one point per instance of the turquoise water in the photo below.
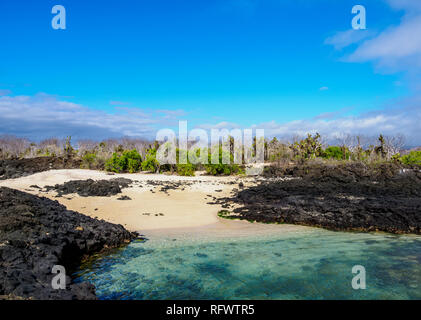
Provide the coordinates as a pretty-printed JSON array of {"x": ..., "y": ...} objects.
[{"x": 315, "y": 264}]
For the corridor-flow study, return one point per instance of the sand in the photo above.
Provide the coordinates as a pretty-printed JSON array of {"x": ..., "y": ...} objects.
[{"x": 153, "y": 213}]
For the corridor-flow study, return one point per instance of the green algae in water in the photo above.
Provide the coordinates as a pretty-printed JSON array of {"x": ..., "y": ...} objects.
[{"x": 307, "y": 265}]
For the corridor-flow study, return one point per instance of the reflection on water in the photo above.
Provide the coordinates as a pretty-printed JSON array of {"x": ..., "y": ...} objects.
[{"x": 314, "y": 264}]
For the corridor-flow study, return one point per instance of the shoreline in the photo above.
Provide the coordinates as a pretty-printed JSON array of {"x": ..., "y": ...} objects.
[
  {"x": 339, "y": 200},
  {"x": 156, "y": 201},
  {"x": 189, "y": 211}
]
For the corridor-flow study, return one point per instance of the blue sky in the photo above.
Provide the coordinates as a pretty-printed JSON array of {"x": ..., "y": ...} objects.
[{"x": 131, "y": 67}]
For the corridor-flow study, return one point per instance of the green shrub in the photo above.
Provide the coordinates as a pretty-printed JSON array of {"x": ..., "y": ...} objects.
[
  {"x": 88, "y": 160},
  {"x": 335, "y": 152},
  {"x": 187, "y": 169},
  {"x": 115, "y": 163},
  {"x": 127, "y": 161},
  {"x": 413, "y": 158},
  {"x": 221, "y": 168},
  {"x": 133, "y": 165},
  {"x": 150, "y": 163}
]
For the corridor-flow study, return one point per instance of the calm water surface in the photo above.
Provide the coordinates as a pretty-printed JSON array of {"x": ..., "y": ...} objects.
[{"x": 313, "y": 264}]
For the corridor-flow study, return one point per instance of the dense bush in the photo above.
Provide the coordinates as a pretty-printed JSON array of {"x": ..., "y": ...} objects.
[
  {"x": 335, "y": 152},
  {"x": 150, "y": 163},
  {"x": 413, "y": 158},
  {"x": 187, "y": 169},
  {"x": 127, "y": 161},
  {"x": 221, "y": 168}
]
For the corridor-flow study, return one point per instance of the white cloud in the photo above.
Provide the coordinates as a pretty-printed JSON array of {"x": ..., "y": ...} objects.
[
  {"x": 390, "y": 122},
  {"x": 396, "y": 48},
  {"x": 220, "y": 125},
  {"x": 43, "y": 116},
  {"x": 343, "y": 39},
  {"x": 413, "y": 5},
  {"x": 324, "y": 88}
]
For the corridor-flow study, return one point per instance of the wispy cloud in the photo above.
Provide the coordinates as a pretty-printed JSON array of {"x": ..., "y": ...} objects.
[
  {"x": 333, "y": 114},
  {"x": 219, "y": 125},
  {"x": 324, "y": 88},
  {"x": 346, "y": 38},
  {"x": 118, "y": 103},
  {"x": 171, "y": 114},
  {"x": 5, "y": 92}
]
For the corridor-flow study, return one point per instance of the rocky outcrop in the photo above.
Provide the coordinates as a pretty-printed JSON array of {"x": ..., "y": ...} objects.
[
  {"x": 15, "y": 168},
  {"x": 341, "y": 198},
  {"x": 91, "y": 188},
  {"x": 37, "y": 233}
]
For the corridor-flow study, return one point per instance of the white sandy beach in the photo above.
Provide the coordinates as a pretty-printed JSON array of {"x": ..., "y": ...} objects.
[{"x": 151, "y": 211}]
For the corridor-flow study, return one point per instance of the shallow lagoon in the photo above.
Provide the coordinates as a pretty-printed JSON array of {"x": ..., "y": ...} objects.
[{"x": 312, "y": 264}]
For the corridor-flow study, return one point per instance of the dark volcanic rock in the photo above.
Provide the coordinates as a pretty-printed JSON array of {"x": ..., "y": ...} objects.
[
  {"x": 15, "y": 168},
  {"x": 169, "y": 185},
  {"x": 338, "y": 199},
  {"x": 124, "y": 198},
  {"x": 38, "y": 233},
  {"x": 91, "y": 188},
  {"x": 344, "y": 172}
]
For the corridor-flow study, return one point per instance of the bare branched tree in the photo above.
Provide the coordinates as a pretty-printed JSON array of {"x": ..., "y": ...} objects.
[{"x": 394, "y": 144}]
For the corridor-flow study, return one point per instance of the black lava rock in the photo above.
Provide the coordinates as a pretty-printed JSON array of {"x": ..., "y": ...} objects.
[
  {"x": 344, "y": 198},
  {"x": 15, "y": 168},
  {"x": 91, "y": 188},
  {"x": 37, "y": 233}
]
